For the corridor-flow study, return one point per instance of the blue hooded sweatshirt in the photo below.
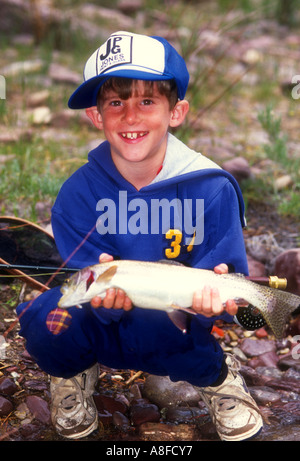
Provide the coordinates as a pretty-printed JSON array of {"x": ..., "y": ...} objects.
[{"x": 192, "y": 213}]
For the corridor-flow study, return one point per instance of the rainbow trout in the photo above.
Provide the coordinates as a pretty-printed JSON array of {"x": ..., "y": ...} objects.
[{"x": 168, "y": 287}]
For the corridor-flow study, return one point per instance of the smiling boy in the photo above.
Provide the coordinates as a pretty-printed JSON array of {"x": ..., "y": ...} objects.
[{"x": 134, "y": 88}]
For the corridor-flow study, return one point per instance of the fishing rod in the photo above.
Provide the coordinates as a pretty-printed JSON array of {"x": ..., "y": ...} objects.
[
  {"x": 271, "y": 281},
  {"x": 37, "y": 268}
]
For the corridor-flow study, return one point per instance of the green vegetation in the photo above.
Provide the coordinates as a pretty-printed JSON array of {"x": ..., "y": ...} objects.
[{"x": 227, "y": 94}]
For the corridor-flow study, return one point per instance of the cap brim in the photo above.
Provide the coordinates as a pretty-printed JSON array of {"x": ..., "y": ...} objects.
[{"x": 86, "y": 94}]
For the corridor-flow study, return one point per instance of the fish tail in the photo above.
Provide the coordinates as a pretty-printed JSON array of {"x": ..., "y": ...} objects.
[{"x": 280, "y": 306}]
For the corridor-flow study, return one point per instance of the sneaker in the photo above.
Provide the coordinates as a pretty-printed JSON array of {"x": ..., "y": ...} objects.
[
  {"x": 232, "y": 409},
  {"x": 73, "y": 410}
]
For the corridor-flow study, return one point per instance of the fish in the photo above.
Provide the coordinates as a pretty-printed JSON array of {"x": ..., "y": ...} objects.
[{"x": 170, "y": 287}]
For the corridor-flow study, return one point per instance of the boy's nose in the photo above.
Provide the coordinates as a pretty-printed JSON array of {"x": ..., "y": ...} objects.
[{"x": 130, "y": 114}]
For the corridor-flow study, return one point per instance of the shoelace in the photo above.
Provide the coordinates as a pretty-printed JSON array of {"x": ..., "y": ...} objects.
[
  {"x": 226, "y": 401},
  {"x": 71, "y": 399}
]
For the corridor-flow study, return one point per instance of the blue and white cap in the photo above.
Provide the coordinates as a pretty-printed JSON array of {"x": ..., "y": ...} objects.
[{"x": 133, "y": 56}]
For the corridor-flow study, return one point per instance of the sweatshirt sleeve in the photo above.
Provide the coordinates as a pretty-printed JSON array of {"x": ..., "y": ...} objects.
[
  {"x": 223, "y": 240},
  {"x": 74, "y": 222}
]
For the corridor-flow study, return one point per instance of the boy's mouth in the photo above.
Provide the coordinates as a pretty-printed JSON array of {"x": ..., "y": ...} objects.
[{"x": 133, "y": 134}]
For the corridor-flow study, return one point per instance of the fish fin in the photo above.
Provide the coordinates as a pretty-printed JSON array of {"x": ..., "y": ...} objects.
[
  {"x": 241, "y": 302},
  {"x": 280, "y": 306},
  {"x": 187, "y": 310},
  {"x": 179, "y": 319},
  {"x": 107, "y": 275}
]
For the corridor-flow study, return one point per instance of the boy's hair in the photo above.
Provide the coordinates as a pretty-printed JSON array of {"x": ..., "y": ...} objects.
[{"x": 125, "y": 87}]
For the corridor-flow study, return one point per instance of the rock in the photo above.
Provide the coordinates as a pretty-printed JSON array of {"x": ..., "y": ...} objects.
[
  {"x": 105, "y": 417},
  {"x": 130, "y": 6},
  {"x": 22, "y": 67},
  {"x": 289, "y": 361},
  {"x": 163, "y": 392},
  {"x": 144, "y": 412},
  {"x": 267, "y": 359},
  {"x": 38, "y": 407},
  {"x": 63, "y": 74},
  {"x": 264, "y": 395},
  {"x": 287, "y": 264},
  {"x": 251, "y": 57},
  {"x": 294, "y": 327},
  {"x": 6, "y": 406},
  {"x": 135, "y": 392},
  {"x": 22, "y": 411},
  {"x": 269, "y": 372},
  {"x": 120, "y": 421},
  {"x": 251, "y": 376},
  {"x": 238, "y": 167},
  {"x": 38, "y": 98},
  {"x": 252, "y": 347},
  {"x": 289, "y": 385},
  {"x": 239, "y": 354},
  {"x": 40, "y": 115},
  {"x": 256, "y": 268},
  {"x": 109, "y": 403},
  {"x": 283, "y": 182},
  {"x": 185, "y": 414},
  {"x": 167, "y": 432},
  {"x": 261, "y": 333},
  {"x": 8, "y": 386},
  {"x": 35, "y": 385}
]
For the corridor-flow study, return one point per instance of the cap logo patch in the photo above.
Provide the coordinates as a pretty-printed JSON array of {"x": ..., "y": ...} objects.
[{"x": 115, "y": 51}]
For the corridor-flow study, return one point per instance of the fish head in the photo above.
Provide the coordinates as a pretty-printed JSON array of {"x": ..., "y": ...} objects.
[{"x": 75, "y": 288}]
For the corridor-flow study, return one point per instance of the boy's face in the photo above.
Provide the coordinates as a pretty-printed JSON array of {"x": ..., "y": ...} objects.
[{"x": 137, "y": 127}]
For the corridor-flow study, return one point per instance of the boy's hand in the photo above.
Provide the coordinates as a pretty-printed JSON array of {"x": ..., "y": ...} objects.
[
  {"x": 207, "y": 301},
  {"x": 115, "y": 299}
]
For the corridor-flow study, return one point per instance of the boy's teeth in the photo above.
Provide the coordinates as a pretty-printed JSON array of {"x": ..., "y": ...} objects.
[{"x": 132, "y": 135}]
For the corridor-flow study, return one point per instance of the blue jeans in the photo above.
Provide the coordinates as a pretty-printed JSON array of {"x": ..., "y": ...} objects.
[{"x": 140, "y": 339}]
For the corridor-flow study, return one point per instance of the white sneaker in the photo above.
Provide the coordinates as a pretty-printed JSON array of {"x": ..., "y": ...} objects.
[
  {"x": 232, "y": 409},
  {"x": 73, "y": 410}
]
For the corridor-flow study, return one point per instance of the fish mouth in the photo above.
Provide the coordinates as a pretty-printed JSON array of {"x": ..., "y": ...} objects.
[{"x": 133, "y": 135}]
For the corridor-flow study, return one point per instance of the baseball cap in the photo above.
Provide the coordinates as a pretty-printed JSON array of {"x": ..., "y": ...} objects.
[{"x": 134, "y": 56}]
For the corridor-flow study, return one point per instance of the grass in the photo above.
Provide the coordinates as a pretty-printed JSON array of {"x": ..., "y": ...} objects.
[{"x": 40, "y": 164}]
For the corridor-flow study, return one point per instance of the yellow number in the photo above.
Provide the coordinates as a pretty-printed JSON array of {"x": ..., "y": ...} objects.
[
  {"x": 174, "y": 251},
  {"x": 191, "y": 245}
]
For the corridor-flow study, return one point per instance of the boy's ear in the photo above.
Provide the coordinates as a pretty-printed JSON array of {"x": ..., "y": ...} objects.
[
  {"x": 179, "y": 112},
  {"x": 95, "y": 116}
]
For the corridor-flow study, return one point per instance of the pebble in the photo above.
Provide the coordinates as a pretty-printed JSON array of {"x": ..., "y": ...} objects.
[
  {"x": 6, "y": 407},
  {"x": 38, "y": 407},
  {"x": 8, "y": 386},
  {"x": 238, "y": 167},
  {"x": 287, "y": 264},
  {"x": 252, "y": 347},
  {"x": 164, "y": 392},
  {"x": 263, "y": 395},
  {"x": 110, "y": 403},
  {"x": 120, "y": 421},
  {"x": 184, "y": 414},
  {"x": 144, "y": 412},
  {"x": 167, "y": 432}
]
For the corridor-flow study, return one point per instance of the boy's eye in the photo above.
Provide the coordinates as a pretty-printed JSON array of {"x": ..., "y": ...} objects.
[
  {"x": 147, "y": 102},
  {"x": 115, "y": 103}
]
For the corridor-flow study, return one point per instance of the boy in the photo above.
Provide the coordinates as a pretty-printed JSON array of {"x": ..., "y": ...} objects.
[{"x": 143, "y": 195}]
